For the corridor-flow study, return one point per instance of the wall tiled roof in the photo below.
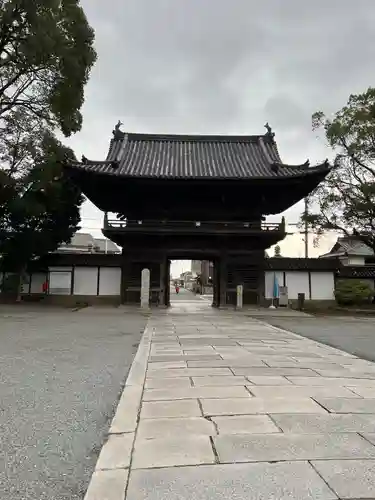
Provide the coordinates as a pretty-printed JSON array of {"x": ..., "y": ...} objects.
[
  {"x": 184, "y": 157},
  {"x": 85, "y": 242},
  {"x": 360, "y": 272},
  {"x": 296, "y": 264}
]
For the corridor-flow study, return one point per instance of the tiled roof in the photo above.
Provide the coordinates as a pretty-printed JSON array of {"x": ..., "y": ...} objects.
[
  {"x": 195, "y": 156},
  {"x": 295, "y": 264},
  {"x": 85, "y": 242},
  {"x": 349, "y": 246},
  {"x": 359, "y": 272},
  {"x": 353, "y": 246},
  {"x": 105, "y": 245}
]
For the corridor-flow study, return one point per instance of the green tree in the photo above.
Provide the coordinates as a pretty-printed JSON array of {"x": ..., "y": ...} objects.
[
  {"x": 46, "y": 53},
  {"x": 39, "y": 206},
  {"x": 277, "y": 251},
  {"x": 346, "y": 200},
  {"x": 353, "y": 292}
]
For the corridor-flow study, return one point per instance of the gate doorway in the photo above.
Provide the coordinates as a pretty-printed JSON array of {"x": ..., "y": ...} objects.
[{"x": 191, "y": 281}]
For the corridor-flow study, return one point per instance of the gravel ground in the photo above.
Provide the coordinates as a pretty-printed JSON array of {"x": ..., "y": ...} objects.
[
  {"x": 61, "y": 374},
  {"x": 355, "y": 335}
]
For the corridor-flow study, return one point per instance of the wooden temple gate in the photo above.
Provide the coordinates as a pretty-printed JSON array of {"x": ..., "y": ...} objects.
[{"x": 194, "y": 197}]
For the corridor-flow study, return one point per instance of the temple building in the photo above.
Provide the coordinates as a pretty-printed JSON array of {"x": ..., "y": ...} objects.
[{"x": 194, "y": 197}]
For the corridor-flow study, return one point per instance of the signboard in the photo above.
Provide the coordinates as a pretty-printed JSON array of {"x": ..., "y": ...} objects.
[{"x": 283, "y": 296}]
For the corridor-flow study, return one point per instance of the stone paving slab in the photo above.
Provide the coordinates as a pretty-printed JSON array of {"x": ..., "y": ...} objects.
[
  {"x": 284, "y": 481},
  {"x": 245, "y": 424},
  {"x": 351, "y": 479},
  {"x": 284, "y": 372},
  {"x": 172, "y": 451},
  {"x": 364, "y": 392},
  {"x": 294, "y": 391},
  {"x": 125, "y": 419},
  {"x": 219, "y": 381},
  {"x": 259, "y": 406},
  {"x": 227, "y": 388},
  {"x": 116, "y": 452},
  {"x": 228, "y": 363},
  {"x": 181, "y": 408},
  {"x": 348, "y": 405},
  {"x": 277, "y": 447},
  {"x": 345, "y": 373},
  {"x": 333, "y": 381},
  {"x": 325, "y": 423},
  {"x": 271, "y": 380},
  {"x": 184, "y": 357},
  {"x": 190, "y": 372},
  {"x": 162, "y": 365},
  {"x": 166, "y": 383},
  {"x": 370, "y": 437},
  {"x": 197, "y": 392},
  {"x": 107, "y": 485},
  {"x": 175, "y": 427}
]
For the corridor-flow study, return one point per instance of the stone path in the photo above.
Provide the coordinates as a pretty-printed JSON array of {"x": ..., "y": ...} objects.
[{"x": 233, "y": 408}]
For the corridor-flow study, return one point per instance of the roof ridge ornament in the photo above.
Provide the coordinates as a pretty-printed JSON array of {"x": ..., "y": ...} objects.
[
  {"x": 269, "y": 134},
  {"x": 117, "y": 133}
]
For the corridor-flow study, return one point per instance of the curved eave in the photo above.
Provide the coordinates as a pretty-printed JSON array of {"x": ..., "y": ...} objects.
[{"x": 106, "y": 169}]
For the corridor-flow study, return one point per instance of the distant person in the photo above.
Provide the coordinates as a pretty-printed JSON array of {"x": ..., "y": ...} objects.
[{"x": 177, "y": 289}]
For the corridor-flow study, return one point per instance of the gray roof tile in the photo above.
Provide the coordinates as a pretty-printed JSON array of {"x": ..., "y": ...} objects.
[
  {"x": 353, "y": 246},
  {"x": 105, "y": 245},
  {"x": 184, "y": 157},
  {"x": 301, "y": 264}
]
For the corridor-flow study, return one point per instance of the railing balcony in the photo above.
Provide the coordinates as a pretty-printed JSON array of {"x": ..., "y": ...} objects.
[{"x": 194, "y": 227}]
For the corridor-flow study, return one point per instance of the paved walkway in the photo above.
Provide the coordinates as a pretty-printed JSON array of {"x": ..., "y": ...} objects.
[{"x": 232, "y": 408}]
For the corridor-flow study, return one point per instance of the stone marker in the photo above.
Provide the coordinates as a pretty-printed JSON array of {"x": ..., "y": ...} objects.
[
  {"x": 145, "y": 289},
  {"x": 239, "y": 303}
]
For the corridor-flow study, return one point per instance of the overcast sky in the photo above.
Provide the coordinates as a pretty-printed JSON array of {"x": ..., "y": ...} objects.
[{"x": 225, "y": 66}]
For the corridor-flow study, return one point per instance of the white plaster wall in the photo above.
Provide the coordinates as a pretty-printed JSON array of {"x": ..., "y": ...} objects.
[
  {"x": 322, "y": 286},
  {"x": 356, "y": 261},
  {"x": 37, "y": 280},
  {"x": 297, "y": 282},
  {"x": 110, "y": 281},
  {"x": 268, "y": 282},
  {"x": 60, "y": 279},
  {"x": 85, "y": 281}
]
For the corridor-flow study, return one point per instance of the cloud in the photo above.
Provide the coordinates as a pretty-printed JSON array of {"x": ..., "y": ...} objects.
[{"x": 220, "y": 66}]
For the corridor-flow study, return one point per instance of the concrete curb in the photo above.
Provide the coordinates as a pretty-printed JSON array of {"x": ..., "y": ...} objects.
[{"x": 111, "y": 474}]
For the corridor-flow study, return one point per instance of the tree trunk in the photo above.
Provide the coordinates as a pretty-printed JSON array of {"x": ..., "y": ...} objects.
[{"x": 19, "y": 284}]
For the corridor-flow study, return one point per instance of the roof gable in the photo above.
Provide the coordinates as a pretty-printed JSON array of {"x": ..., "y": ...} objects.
[{"x": 354, "y": 247}]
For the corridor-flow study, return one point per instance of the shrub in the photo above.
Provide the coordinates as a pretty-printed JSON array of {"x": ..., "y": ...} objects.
[{"x": 353, "y": 292}]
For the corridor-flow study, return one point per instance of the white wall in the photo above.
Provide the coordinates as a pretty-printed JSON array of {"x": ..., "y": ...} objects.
[
  {"x": 85, "y": 281},
  {"x": 297, "y": 282},
  {"x": 37, "y": 280},
  {"x": 355, "y": 261},
  {"x": 110, "y": 281},
  {"x": 322, "y": 286},
  {"x": 60, "y": 280}
]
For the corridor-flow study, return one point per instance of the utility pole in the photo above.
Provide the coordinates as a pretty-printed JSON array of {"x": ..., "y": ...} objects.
[{"x": 306, "y": 232}]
